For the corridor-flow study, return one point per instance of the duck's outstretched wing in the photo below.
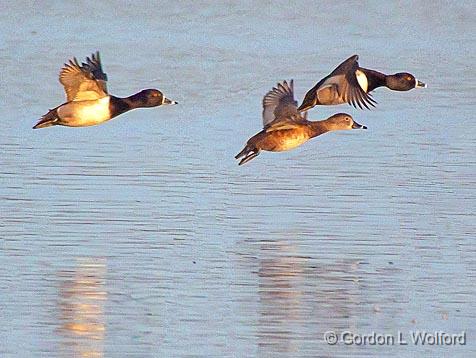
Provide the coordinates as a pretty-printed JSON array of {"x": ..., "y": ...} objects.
[
  {"x": 350, "y": 89},
  {"x": 86, "y": 82},
  {"x": 93, "y": 65},
  {"x": 340, "y": 85},
  {"x": 279, "y": 104}
]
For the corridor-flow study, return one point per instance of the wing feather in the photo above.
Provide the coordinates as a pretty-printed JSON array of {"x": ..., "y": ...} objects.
[
  {"x": 279, "y": 104},
  {"x": 80, "y": 82},
  {"x": 93, "y": 66},
  {"x": 350, "y": 89}
]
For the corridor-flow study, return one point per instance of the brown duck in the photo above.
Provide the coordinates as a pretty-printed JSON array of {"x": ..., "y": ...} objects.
[
  {"x": 285, "y": 128},
  {"x": 352, "y": 84}
]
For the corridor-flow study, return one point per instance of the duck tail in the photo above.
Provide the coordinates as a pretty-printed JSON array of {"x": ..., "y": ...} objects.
[
  {"x": 49, "y": 119},
  {"x": 249, "y": 152}
]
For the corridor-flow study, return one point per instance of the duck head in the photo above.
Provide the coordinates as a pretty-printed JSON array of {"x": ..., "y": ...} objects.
[
  {"x": 342, "y": 121},
  {"x": 403, "y": 81},
  {"x": 152, "y": 98}
]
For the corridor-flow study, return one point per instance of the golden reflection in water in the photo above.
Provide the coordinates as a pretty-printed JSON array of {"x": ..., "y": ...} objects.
[{"x": 82, "y": 297}]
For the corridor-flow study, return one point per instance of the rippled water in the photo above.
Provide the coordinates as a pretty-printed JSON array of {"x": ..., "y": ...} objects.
[{"x": 142, "y": 237}]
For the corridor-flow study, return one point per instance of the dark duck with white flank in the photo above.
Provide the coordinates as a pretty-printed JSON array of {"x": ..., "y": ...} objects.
[
  {"x": 352, "y": 84},
  {"x": 88, "y": 102}
]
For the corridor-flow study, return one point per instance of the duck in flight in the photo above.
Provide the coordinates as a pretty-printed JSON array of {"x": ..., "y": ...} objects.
[
  {"x": 352, "y": 84},
  {"x": 285, "y": 128},
  {"x": 87, "y": 100}
]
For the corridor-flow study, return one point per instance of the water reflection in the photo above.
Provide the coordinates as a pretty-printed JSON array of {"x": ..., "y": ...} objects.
[
  {"x": 280, "y": 276},
  {"x": 301, "y": 297},
  {"x": 81, "y": 302}
]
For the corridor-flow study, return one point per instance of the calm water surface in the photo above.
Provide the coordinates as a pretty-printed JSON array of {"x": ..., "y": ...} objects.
[{"x": 143, "y": 238}]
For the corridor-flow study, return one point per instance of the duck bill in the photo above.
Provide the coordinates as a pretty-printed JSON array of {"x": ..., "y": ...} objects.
[
  {"x": 358, "y": 126},
  {"x": 420, "y": 84},
  {"x": 168, "y": 101}
]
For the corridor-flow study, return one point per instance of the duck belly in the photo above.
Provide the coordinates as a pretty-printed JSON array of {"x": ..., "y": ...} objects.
[
  {"x": 328, "y": 93},
  {"x": 85, "y": 113},
  {"x": 281, "y": 142}
]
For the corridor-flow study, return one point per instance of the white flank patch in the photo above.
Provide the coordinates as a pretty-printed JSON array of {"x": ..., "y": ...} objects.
[
  {"x": 85, "y": 113},
  {"x": 362, "y": 79},
  {"x": 97, "y": 111}
]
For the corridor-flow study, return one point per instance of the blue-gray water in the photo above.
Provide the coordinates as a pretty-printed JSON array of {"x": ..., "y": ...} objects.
[{"x": 143, "y": 238}]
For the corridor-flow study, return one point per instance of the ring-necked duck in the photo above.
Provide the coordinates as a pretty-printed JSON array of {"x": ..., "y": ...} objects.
[
  {"x": 350, "y": 83},
  {"x": 285, "y": 128},
  {"x": 88, "y": 102}
]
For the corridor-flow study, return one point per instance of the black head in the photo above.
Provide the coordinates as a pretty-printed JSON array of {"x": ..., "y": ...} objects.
[
  {"x": 403, "y": 81},
  {"x": 152, "y": 98}
]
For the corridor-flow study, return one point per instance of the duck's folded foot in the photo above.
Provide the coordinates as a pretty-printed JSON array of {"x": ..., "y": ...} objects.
[
  {"x": 248, "y": 158},
  {"x": 247, "y": 153}
]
